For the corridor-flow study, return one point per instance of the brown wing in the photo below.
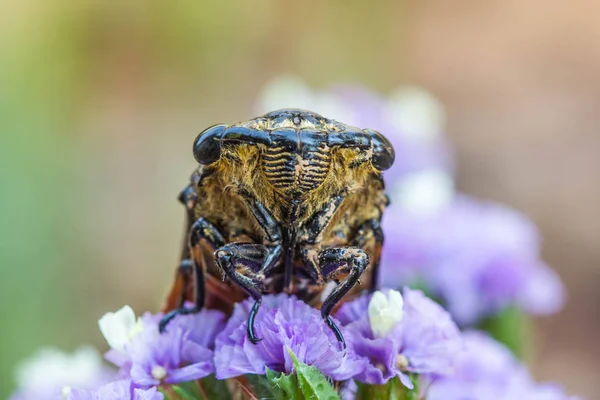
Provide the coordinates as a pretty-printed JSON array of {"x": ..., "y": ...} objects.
[{"x": 181, "y": 290}]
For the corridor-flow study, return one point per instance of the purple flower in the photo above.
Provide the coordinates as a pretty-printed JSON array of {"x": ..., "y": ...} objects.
[
  {"x": 183, "y": 353},
  {"x": 120, "y": 344},
  {"x": 45, "y": 374},
  {"x": 476, "y": 257},
  {"x": 410, "y": 118},
  {"x": 486, "y": 370},
  {"x": 120, "y": 390},
  {"x": 420, "y": 339},
  {"x": 284, "y": 324}
]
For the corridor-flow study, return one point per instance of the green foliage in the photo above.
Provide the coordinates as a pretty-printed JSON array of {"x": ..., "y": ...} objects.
[
  {"x": 393, "y": 390},
  {"x": 511, "y": 327},
  {"x": 313, "y": 384},
  {"x": 184, "y": 391},
  {"x": 214, "y": 389},
  {"x": 262, "y": 387},
  {"x": 285, "y": 386},
  {"x": 306, "y": 383},
  {"x": 209, "y": 388}
]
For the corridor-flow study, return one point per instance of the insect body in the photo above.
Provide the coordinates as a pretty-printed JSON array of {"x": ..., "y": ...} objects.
[{"x": 290, "y": 201}]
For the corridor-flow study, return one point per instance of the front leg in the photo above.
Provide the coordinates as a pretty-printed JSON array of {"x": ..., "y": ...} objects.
[
  {"x": 340, "y": 260},
  {"x": 249, "y": 264},
  {"x": 312, "y": 235},
  {"x": 273, "y": 238},
  {"x": 242, "y": 263}
]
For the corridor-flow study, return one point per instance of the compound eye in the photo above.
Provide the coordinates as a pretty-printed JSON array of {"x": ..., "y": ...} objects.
[
  {"x": 207, "y": 146},
  {"x": 383, "y": 151}
]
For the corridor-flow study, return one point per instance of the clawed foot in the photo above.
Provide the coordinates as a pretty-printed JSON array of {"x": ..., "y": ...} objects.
[
  {"x": 251, "y": 316},
  {"x": 335, "y": 329}
]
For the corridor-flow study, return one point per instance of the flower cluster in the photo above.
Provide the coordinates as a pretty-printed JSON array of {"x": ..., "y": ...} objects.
[
  {"x": 146, "y": 357},
  {"x": 400, "y": 334},
  {"x": 284, "y": 324},
  {"x": 389, "y": 335},
  {"x": 486, "y": 370},
  {"x": 423, "y": 336},
  {"x": 478, "y": 258}
]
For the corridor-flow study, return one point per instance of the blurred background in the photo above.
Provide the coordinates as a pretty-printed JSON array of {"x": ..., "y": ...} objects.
[{"x": 100, "y": 102}]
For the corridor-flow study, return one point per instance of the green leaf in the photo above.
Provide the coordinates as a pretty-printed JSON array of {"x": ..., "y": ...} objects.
[
  {"x": 312, "y": 384},
  {"x": 212, "y": 388},
  {"x": 284, "y": 386},
  {"x": 408, "y": 393},
  {"x": 307, "y": 383},
  {"x": 275, "y": 385},
  {"x": 183, "y": 392}
]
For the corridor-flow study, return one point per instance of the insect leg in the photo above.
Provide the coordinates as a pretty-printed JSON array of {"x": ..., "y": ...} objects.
[
  {"x": 242, "y": 263},
  {"x": 348, "y": 260},
  {"x": 271, "y": 253},
  {"x": 271, "y": 228},
  {"x": 311, "y": 235},
  {"x": 183, "y": 275},
  {"x": 369, "y": 237},
  {"x": 202, "y": 229}
]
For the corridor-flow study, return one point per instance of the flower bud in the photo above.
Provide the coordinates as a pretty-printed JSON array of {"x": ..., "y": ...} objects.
[
  {"x": 385, "y": 311},
  {"x": 120, "y": 327}
]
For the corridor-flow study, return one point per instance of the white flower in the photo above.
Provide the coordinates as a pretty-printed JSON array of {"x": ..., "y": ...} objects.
[
  {"x": 385, "y": 311},
  {"x": 120, "y": 327},
  {"x": 424, "y": 192},
  {"x": 49, "y": 369}
]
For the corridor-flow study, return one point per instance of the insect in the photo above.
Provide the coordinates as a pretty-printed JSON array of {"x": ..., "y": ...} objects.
[{"x": 290, "y": 201}]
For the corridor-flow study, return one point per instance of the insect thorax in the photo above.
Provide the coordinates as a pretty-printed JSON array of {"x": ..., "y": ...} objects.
[{"x": 298, "y": 159}]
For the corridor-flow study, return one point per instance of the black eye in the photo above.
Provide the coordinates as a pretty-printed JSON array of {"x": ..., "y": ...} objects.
[
  {"x": 383, "y": 151},
  {"x": 207, "y": 146}
]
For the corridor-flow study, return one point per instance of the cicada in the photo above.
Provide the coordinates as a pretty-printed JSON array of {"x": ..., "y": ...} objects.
[{"x": 289, "y": 201}]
